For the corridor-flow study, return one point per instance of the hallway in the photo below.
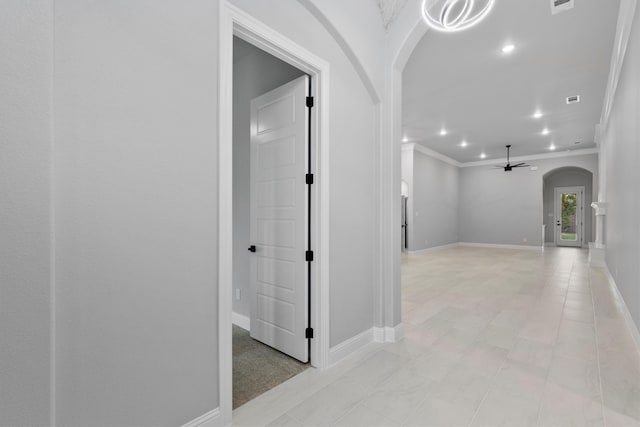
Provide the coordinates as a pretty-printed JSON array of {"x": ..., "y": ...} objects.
[{"x": 492, "y": 337}]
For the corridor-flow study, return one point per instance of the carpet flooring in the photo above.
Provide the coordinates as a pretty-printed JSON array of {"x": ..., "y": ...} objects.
[{"x": 258, "y": 368}]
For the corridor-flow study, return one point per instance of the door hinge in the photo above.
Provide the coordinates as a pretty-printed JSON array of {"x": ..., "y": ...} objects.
[
  {"x": 309, "y": 101},
  {"x": 309, "y": 178},
  {"x": 308, "y": 333},
  {"x": 308, "y": 256}
]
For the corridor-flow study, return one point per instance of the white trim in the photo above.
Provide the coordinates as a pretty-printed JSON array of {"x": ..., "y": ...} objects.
[
  {"x": 541, "y": 156},
  {"x": 413, "y": 146},
  {"x": 633, "y": 329},
  {"x": 234, "y": 21},
  {"x": 498, "y": 246},
  {"x": 434, "y": 249},
  {"x": 429, "y": 152},
  {"x": 210, "y": 419},
  {"x": 626, "y": 15},
  {"x": 353, "y": 344},
  {"x": 388, "y": 334},
  {"x": 240, "y": 320}
]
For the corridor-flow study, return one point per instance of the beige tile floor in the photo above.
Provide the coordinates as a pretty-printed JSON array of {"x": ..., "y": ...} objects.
[{"x": 492, "y": 338}]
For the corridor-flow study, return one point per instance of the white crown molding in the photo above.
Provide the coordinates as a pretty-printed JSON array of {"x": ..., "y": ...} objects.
[
  {"x": 412, "y": 146},
  {"x": 542, "y": 156},
  {"x": 623, "y": 31},
  {"x": 429, "y": 152}
]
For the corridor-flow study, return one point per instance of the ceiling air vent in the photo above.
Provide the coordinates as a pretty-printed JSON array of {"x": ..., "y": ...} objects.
[
  {"x": 558, "y": 6},
  {"x": 573, "y": 99}
]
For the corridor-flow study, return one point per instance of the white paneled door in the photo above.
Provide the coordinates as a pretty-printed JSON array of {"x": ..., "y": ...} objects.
[{"x": 279, "y": 292}]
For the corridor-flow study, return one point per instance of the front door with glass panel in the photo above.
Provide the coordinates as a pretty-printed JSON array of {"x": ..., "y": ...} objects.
[{"x": 568, "y": 216}]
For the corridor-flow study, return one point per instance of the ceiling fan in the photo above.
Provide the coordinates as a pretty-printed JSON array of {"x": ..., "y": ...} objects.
[{"x": 508, "y": 167}]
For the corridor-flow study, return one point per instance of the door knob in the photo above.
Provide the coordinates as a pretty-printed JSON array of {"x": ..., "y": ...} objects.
[{"x": 252, "y": 248}]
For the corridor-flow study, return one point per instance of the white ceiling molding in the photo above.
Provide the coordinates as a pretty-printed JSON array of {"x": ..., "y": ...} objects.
[
  {"x": 623, "y": 31},
  {"x": 412, "y": 146},
  {"x": 555, "y": 155},
  {"x": 429, "y": 152},
  {"x": 389, "y": 10}
]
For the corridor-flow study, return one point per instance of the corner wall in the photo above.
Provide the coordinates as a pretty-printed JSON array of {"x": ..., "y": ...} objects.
[
  {"x": 435, "y": 206},
  {"x": 621, "y": 156},
  {"x": 25, "y": 208}
]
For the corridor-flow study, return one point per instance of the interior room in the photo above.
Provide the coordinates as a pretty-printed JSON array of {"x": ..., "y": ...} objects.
[{"x": 319, "y": 212}]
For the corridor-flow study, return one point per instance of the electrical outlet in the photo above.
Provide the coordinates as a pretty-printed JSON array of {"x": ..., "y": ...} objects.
[{"x": 237, "y": 293}]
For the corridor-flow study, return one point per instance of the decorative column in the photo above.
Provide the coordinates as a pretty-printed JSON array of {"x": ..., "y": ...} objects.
[{"x": 597, "y": 248}]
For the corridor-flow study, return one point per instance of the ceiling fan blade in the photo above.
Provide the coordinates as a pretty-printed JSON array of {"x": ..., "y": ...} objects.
[{"x": 519, "y": 165}]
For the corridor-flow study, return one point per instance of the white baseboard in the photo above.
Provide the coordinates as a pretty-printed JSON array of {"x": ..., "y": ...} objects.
[
  {"x": 210, "y": 419},
  {"x": 388, "y": 333},
  {"x": 351, "y": 345},
  {"x": 495, "y": 246},
  {"x": 239, "y": 320},
  {"x": 434, "y": 249},
  {"x": 633, "y": 329}
]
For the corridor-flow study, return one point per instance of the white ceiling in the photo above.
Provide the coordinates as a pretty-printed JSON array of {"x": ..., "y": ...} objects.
[
  {"x": 464, "y": 83},
  {"x": 389, "y": 10}
]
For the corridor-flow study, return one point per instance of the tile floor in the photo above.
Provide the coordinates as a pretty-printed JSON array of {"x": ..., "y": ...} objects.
[{"x": 492, "y": 338}]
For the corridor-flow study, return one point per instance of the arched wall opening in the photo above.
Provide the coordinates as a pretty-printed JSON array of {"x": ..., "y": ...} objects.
[{"x": 569, "y": 176}]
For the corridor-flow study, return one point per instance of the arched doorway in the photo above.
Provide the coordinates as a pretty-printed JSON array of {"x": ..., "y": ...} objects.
[{"x": 567, "y": 217}]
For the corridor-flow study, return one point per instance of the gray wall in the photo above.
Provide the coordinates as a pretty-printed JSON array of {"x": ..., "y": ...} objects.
[
  {"x": 254, "y": 74},
  {"x": 621, "y": 159},
  {"x": 25, "y": 152},
  {"x": 435, "y": 202},
  {"x": 568, "y": 177},
  {"x": 498, "y": 207},
  {"x": 136, "y": 211}
]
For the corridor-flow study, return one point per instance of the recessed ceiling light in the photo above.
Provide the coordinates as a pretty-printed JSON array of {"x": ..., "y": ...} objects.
[
  {"x": 405, "y": 139},
  {"x": 463, "y": 143},
  {"x": 443, "y": 132},
  {"x": 483, "y": 156},
  {"x": 537, "y": 114},
  {"x": 552, "y": 146},
  {"x": 508, "y": 48},
  {"x": 545, "y": 131}
]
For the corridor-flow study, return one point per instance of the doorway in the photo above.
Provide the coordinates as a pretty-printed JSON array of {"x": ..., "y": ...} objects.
[
  {"x": 271, "y": 153},
  {"x": 236, "y": 22},
  {"x": 569, "y": 212}
]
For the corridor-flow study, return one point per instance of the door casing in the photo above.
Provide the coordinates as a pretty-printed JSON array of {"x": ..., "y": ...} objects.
[{"x": 235, "y": 22}]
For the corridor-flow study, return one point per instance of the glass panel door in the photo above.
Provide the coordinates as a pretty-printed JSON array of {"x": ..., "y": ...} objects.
[{"x": 569, "y": 216}]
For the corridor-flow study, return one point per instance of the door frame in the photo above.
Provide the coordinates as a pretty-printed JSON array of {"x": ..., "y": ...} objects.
[
  {"x": 580, "y": 216},
  {"x": 236, "y": 22}
]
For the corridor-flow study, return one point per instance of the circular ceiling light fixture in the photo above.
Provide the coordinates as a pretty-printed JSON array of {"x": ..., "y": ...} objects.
[{"x": 455, "y": 15}]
